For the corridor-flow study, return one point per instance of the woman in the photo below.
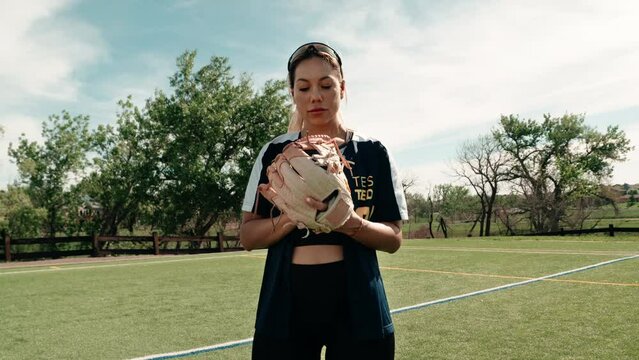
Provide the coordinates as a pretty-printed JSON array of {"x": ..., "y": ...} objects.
[{"x": 325, "y": 289}]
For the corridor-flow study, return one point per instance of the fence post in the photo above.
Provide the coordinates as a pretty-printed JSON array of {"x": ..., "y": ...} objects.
[
  {"x": 96, "y": 246},
  {"x": 611, "y": 230},
  {"x": 7, "y": 246},
  {"x": 156, "y": 243},
  {"x": 220, "y": 242}
]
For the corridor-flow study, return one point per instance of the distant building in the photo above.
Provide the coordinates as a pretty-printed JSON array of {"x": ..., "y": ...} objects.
[{"x": 89, "y": 208}]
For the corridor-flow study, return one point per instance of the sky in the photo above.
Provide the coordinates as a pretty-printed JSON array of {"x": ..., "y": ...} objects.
[{"x": 422, "y": 76}]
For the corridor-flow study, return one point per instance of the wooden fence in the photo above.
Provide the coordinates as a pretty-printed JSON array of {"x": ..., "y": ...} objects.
[
  {"x": 610, "y": 230},
  {"x": 97, "y": 245}
]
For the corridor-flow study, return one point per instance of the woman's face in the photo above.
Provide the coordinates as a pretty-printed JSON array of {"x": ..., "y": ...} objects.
[{"x": 317, "y": 92}]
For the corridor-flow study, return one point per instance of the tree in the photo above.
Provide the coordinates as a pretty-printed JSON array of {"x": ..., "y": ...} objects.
[
  {"x": 21, "y": 218},
  {"x": 412, "y": 200},
  {"x": 431, "y": 214},
  {"x": 417, "y": 205},
  {"x": 50, "y": 169},
  {"x": 418, "y": 208},
  {"x": 632, "y": 200},
  {"x": 123, "y": 176},
  {"x": 508, "y": 210},
  {"x": 206, "y": 136},
  {"x": 408, "y": 181},
  {"x": 452, "y": 201},
  {"x": 557, "y": 161},
  {"x": 482, "y": 164}
]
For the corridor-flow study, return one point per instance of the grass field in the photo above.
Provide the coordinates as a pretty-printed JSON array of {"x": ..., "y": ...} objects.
[{"x": 133, "y": 307}]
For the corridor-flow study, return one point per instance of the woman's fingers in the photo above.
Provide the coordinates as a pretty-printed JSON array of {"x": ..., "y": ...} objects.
[{"x": 320, "y": 206}]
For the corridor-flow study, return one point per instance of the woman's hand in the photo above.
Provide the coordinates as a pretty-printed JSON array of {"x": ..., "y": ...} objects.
[
  {"x": 257, "y": 232},
  {"x": 384, "y": 236}
]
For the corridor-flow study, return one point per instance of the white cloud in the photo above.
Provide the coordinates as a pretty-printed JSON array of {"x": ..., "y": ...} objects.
[
  {"x": 41, "y": 51},
  {"x": 413, "y": 75},
  {"x": 411, "y": 79},
  {"x": 428, "y": 175},
  {"x": 14, "y": 126},
  {"x": 140, "y": 85},
  {"x": 431, "y": 173},
  {"x": 627, "y": 171}
]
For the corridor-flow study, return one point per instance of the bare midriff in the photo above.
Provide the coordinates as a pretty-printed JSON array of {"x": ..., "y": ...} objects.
[{"x": 317, "y": 254}]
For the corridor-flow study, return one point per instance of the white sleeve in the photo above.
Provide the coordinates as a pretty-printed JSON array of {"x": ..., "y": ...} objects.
[
  {"x": 251, "y": 188},
  {"x": 399, "y": 189}
]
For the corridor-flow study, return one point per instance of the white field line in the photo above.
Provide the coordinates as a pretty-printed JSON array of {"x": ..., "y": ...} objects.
[
  {"x": 511, "y": 285},
  {"x": 585, "y": 241},
  {"x": 80, "y": 261},
  {"x": 236, "y": 343},
  {"x": 191, "y": 352},
  {"x": 521, "y": 251},
  {"x": 66, "y": 267},
  {"x": 427, "y": 271}
]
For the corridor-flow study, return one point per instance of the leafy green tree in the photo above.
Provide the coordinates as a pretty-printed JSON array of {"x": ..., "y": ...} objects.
[
  {"x": 181, "y": 162},
  {"x": 418, "y": 209},
  {"x": 206, "y": 135},
  {"x": 50, "y": 169},
  {"x": 453, "y": 201},
  {"x": 556, "y": 161},
  {"x": 417, "y": 205},
  {"x": 124, "y": 174},
  {"x": 21, "y": 218}
]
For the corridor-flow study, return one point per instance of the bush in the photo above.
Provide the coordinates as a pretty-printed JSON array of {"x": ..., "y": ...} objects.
[{"x": 25, "y": 221}]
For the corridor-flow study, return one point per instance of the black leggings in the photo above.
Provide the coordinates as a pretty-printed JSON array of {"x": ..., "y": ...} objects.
[{"x": 319, "y": 318}]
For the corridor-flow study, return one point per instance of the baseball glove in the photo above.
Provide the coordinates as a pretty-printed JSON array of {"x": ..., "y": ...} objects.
[{"x": 312, "y": 166}]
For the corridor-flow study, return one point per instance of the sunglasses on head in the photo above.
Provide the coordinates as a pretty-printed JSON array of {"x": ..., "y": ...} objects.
[{"x": 317, "y": 47}]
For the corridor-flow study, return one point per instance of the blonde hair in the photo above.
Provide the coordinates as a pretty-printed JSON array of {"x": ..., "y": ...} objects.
[{"x": 295, "y": 121}]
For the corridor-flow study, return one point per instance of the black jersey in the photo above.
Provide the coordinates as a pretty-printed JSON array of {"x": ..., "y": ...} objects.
[{"x": 377, "y": 195}]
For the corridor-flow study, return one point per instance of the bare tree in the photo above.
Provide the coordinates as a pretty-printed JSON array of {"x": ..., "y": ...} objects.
[
  {"x": 408, "y": 181},
  {"x": 431, "y": 212},
  {"x": 482, "y": 165}
]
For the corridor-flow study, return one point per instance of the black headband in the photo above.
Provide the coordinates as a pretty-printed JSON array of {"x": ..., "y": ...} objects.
[{"x": 313, "y": 47}]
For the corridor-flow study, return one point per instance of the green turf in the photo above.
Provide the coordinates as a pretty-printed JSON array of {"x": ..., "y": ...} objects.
[
  {"x": 132, "y": 308},
  {"x": 115, "y": 312},
  {"x": 539, "y": 321}
]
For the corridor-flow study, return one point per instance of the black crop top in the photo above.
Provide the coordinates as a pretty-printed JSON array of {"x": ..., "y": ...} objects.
[{"x": 333, "y": 238}]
